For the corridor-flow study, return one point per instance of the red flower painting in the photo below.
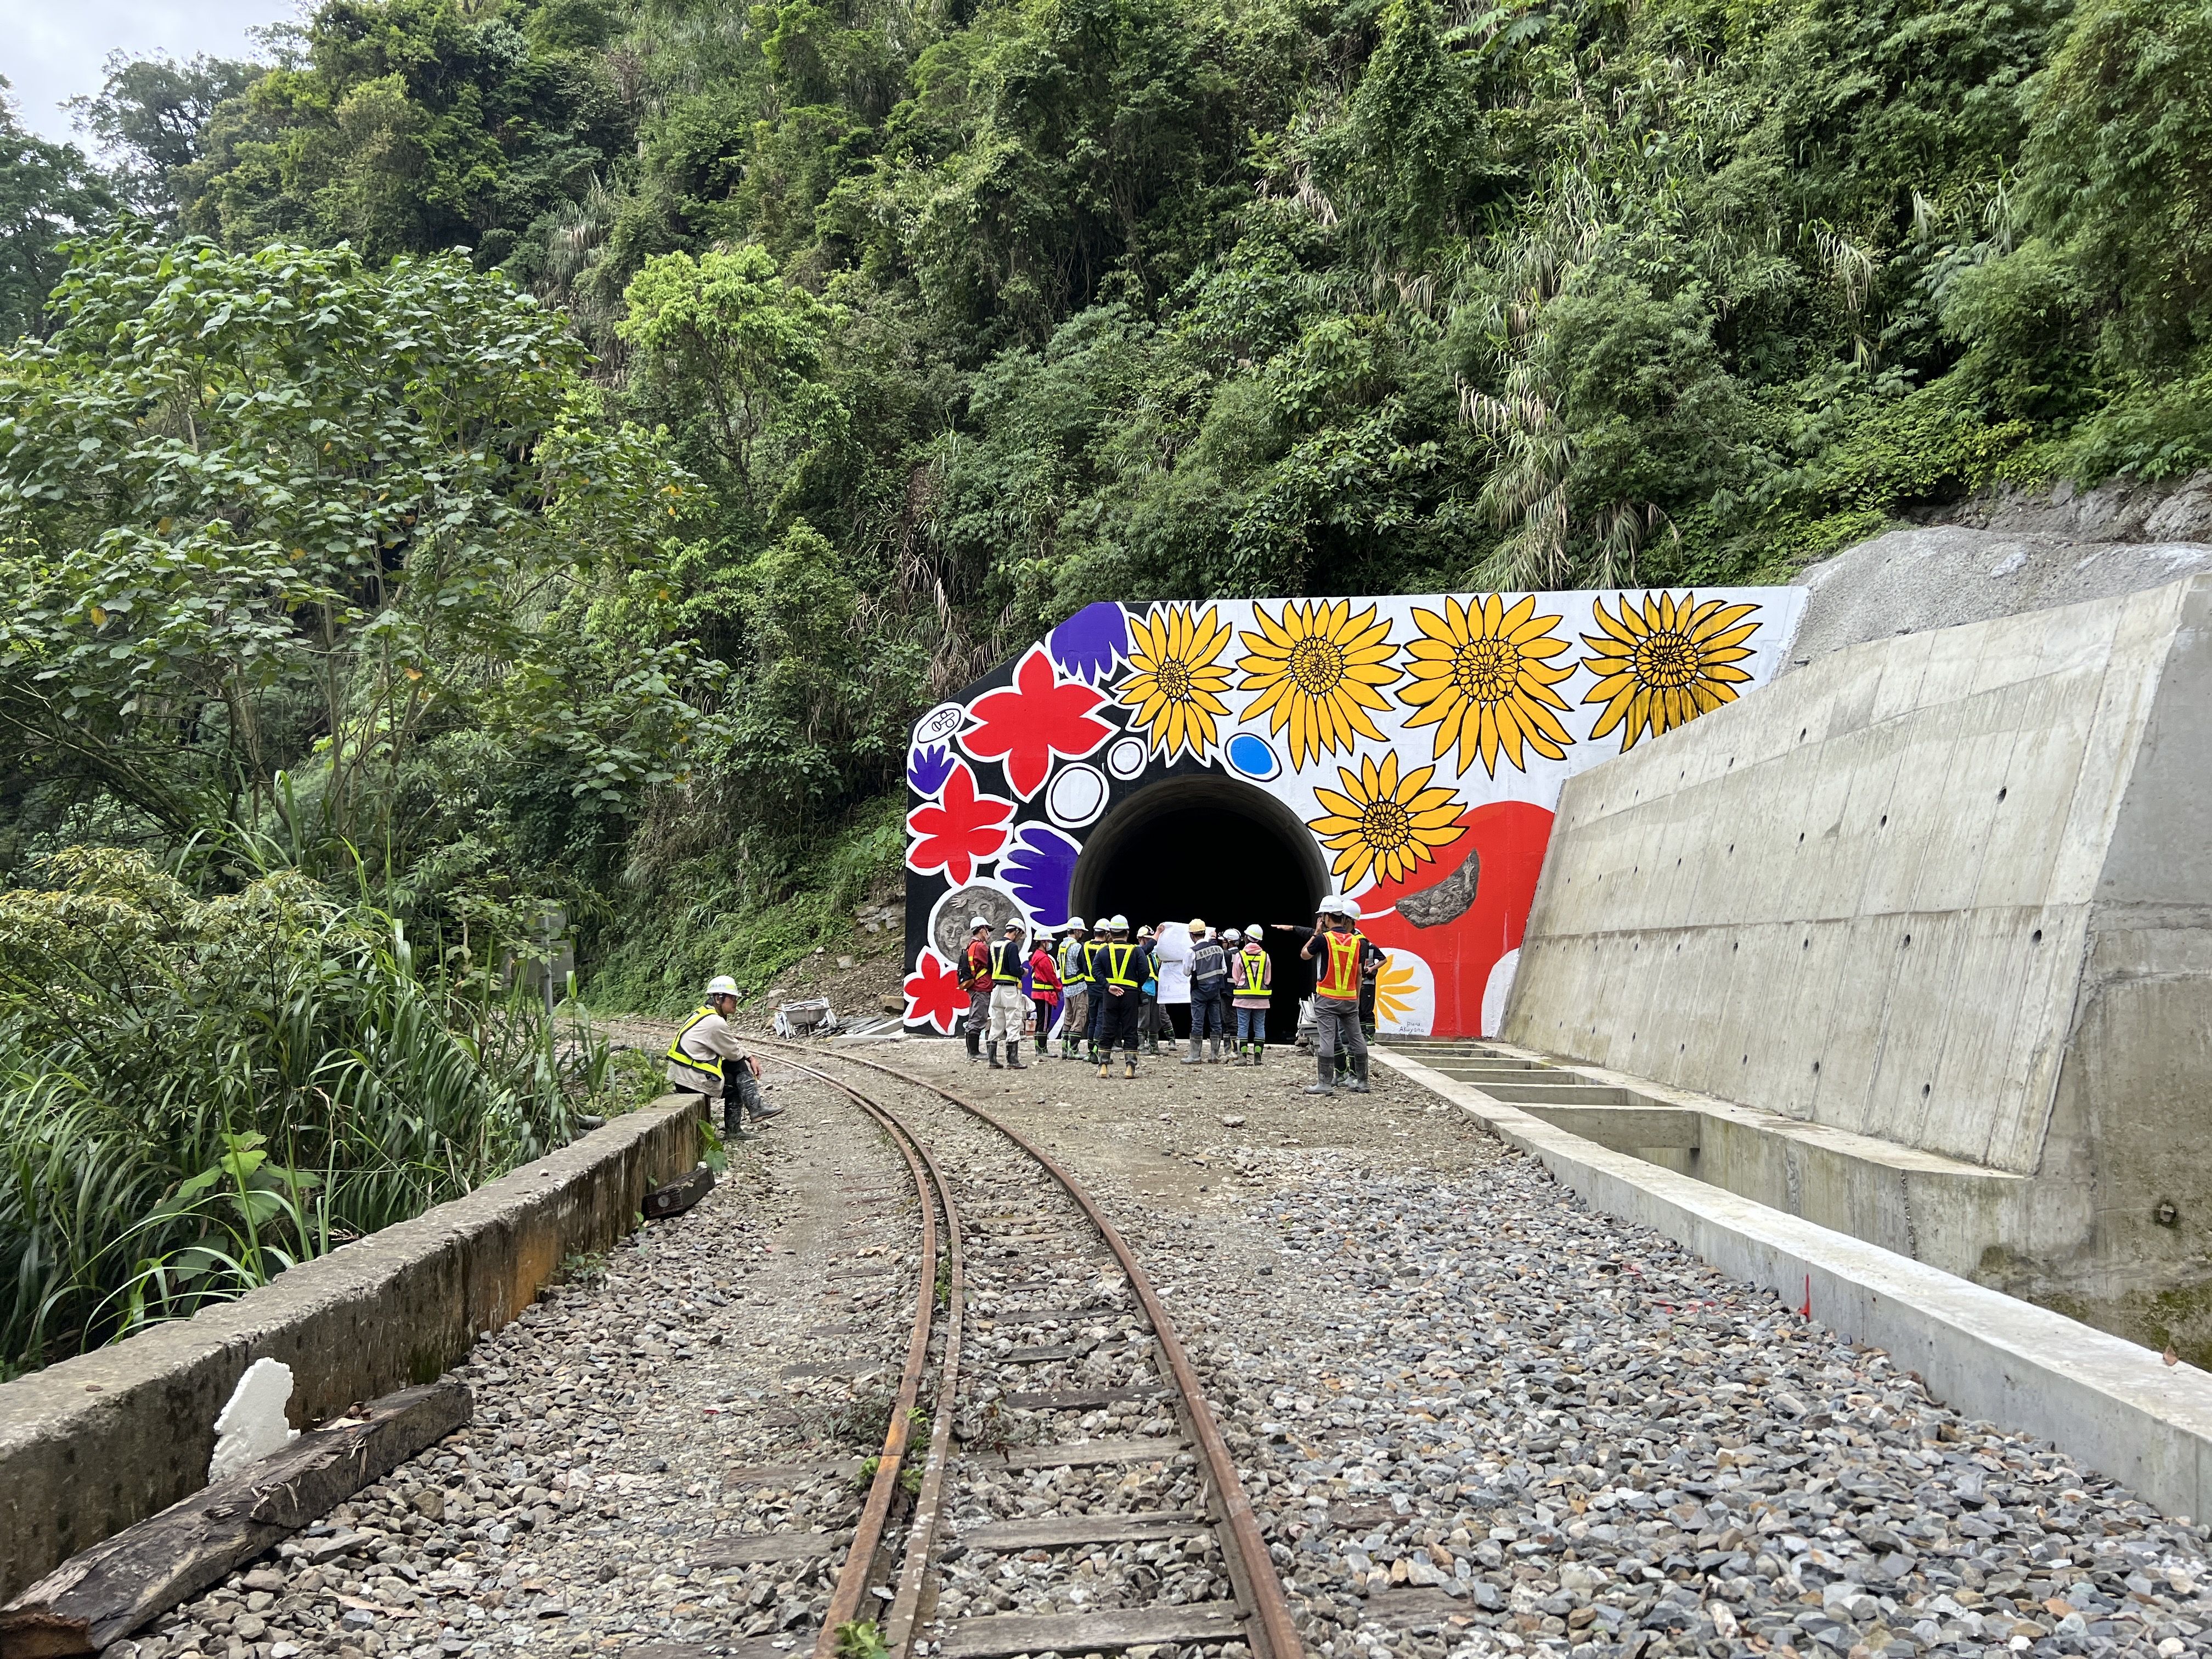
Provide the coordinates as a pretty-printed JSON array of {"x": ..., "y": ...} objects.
[
  {"x": 933, "y": 996},
  {"x": 959, "y": 830},
  {"x": 1038, "y": 716}
]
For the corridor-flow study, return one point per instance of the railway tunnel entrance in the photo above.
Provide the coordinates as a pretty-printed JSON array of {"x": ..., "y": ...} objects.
[{"x": 1205, "y": 845}]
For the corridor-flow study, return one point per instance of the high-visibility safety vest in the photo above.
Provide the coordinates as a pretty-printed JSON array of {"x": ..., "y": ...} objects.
[
  {"x": 1006, "y": 958},
  {"x": 1094, "y": 962},
  {"x": 1341, "y": 981},
  {"x": 1120, "y": 965},
  {"x": 712, "y": 1067},
  {"x": 1248, "y": 972},
  {"x": 1075, "y": 964},
  {"x": 976, "y": 964}
]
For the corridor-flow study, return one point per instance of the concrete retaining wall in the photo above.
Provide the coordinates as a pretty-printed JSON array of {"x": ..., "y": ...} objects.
[
  {"x": 1954, "y": 891},
  {"x": 2113, "y": 1405},
  {"x": 92, "y": 1444}
]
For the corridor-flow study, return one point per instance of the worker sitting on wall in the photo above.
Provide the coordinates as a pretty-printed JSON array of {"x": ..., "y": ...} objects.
[{"x": 699, "y": 1061}]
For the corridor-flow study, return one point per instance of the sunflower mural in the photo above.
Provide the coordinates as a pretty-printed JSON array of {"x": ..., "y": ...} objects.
[
  {"x": 1420, "y": 740},
  {"x": 1318, "y": 671},
  {"x": 1664, "y": 662},
  {"x": 1482, "y": 674},
  {"x": 1176, "y": 679}
]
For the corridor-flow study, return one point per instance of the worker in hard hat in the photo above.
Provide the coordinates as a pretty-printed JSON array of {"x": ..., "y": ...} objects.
[
  {"x": 1251, "y": 987},
  {"x": 1123, "y": 965},
  {"x": 1209, "y": 977},
  {"x": 1074, "y": 962},
  {"x": 1010, "y": 1008},
  {"x": 707, "y": 1059},
  {"x": 1341, "y": 953},
  {"x": 1094, "y": 968},
  {"x": 976, "y": 981}
]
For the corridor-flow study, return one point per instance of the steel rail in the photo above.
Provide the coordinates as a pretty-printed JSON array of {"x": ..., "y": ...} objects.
[
  {"x": 1252, "y": 1570},
  {"x": 868, "y": 1532},
  {"x": 898, "y": 1628}
]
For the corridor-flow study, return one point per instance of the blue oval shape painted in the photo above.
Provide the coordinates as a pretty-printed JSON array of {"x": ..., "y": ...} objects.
[{"x": 1252, "y": 756}]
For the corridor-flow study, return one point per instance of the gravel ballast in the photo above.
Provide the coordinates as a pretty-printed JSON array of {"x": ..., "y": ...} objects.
[{"x": 1475, "y": 1416}]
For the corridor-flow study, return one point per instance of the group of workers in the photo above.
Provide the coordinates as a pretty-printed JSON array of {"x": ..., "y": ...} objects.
[
  {"x": 1098, "y": 989},
  {"x": 1102, "y": 989}
]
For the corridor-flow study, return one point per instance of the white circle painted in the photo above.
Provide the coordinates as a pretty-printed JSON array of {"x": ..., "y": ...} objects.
[
  {"x": 939, "y": 723},
  {"x": 1076, "y": 797},
  {"x": 1126, "y": 757}
]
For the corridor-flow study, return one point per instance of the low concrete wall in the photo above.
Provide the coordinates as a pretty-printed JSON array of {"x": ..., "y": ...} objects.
[
  {"x": 2106, "y": 1401},
  {"x": 92, "y": 1444},
  {"x": 1951, "y": 891}
]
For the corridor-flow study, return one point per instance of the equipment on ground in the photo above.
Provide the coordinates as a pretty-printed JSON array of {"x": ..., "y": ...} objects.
[{"x": 812, "y": 1017}]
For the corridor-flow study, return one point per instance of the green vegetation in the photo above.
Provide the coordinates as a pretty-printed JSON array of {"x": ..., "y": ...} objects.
[{"x": 538, "y": 455}]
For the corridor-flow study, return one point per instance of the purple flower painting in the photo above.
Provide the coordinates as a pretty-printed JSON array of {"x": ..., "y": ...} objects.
[
  {"x": 927, "y": 768},
  {"x": 1039, "y": 868},
  {"x": 1091, "y": 641}
]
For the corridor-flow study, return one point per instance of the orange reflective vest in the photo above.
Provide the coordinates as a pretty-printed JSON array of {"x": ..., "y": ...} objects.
[{"x": 1339, "y": 979}]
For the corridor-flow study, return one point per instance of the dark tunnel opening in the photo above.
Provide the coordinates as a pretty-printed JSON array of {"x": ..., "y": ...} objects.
[{"x": 1209, "y": 846}]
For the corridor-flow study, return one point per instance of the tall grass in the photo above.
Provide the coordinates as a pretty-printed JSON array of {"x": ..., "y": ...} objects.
[{"x": 197, "y": 1094}]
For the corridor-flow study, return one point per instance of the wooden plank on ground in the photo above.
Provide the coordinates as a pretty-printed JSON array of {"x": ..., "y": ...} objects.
[
  {"x": 1410, "y": 1606},
  {"x": 1082, "y": 1400},
  {"x": 1064, "y": 1316},
  {"x": 678, "y": 1196},
  {"x": 872, "y": 1270},
  {"x": 1086, "y": 1454},
  {"x": 784, "y": 1474},
  {"x": 1063, "y": 1532},
  {"x": 103, "y": 1594},
  {"x": 833, "y": 1368},
  {"x": 1046, "y": 1355},
  {"x": 1001, "y": 1636},
  {"x": 769, "y": 1547}
]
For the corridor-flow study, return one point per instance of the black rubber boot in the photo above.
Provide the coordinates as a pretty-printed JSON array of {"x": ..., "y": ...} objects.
[
  {"x": 995, "y": 1059},
  {"x": 1324, "y": 1076},
  {"x": 1358, "y": 1084},
  {"x": 974, "y": 1039},
  {"x": 1131, "y": 1069},
  {"x": 1014, "y": 1056},
  {"x": 1192, "y": 1058}
]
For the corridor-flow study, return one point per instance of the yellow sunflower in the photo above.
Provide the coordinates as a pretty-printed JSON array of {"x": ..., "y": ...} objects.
[
  {"x": 1395, "y": 987},
  {"x": 1480, "y": 675},
  {"x": 1317, "y": 669},
  {"x": 1382, "y": 825},
  {"x": 1178, "y": 679},
  {"x": 1665, "y": 663}
]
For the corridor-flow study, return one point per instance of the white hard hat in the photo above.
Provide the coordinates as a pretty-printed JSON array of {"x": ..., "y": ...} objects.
[
  {"x": 1230, "y": 935},
  {"x": 1117, "y": 923},
  {"x": 1337, "y": 904},
  {"x": 973, "y": 922},
  {"x": 721, "y": 986},
  {"x": 1075, "y": 924},
  {"x": 1253, "y": 931}
]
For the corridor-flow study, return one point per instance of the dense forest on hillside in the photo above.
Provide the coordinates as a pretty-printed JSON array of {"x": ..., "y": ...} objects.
[{"x": 484, "y": 455}]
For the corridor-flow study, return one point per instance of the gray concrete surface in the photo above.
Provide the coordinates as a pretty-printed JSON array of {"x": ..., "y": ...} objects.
[
  {"x": 1910, "y": 581},
  {"x": 2106, "y": 1401},
  {"x": 93, "y": 1444},
  {"x": 1949, "y": 892}
]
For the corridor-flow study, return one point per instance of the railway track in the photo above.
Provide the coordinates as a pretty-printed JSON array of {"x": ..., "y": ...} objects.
[{"x": 1033, "y": 1315}]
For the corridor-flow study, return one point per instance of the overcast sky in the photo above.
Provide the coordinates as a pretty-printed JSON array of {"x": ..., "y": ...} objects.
[{"x": 50, "y": 49}]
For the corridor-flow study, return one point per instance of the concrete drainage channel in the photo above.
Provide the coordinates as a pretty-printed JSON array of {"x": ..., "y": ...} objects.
[
  {"x": 91, "y": 1445},
  {"x": 2106, "y": 1401}
]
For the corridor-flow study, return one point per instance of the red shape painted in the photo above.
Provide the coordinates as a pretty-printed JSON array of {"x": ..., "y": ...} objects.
[
  {"x": 1511, "y": 836},
  {"x": 933, "y": 996},
  {"x": 1038, "y": 716},
  {"x": 958, "y": 831}
]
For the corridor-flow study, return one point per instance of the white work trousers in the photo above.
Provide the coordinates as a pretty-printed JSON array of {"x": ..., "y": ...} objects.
[{"x": 1009, "y": 1009}]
